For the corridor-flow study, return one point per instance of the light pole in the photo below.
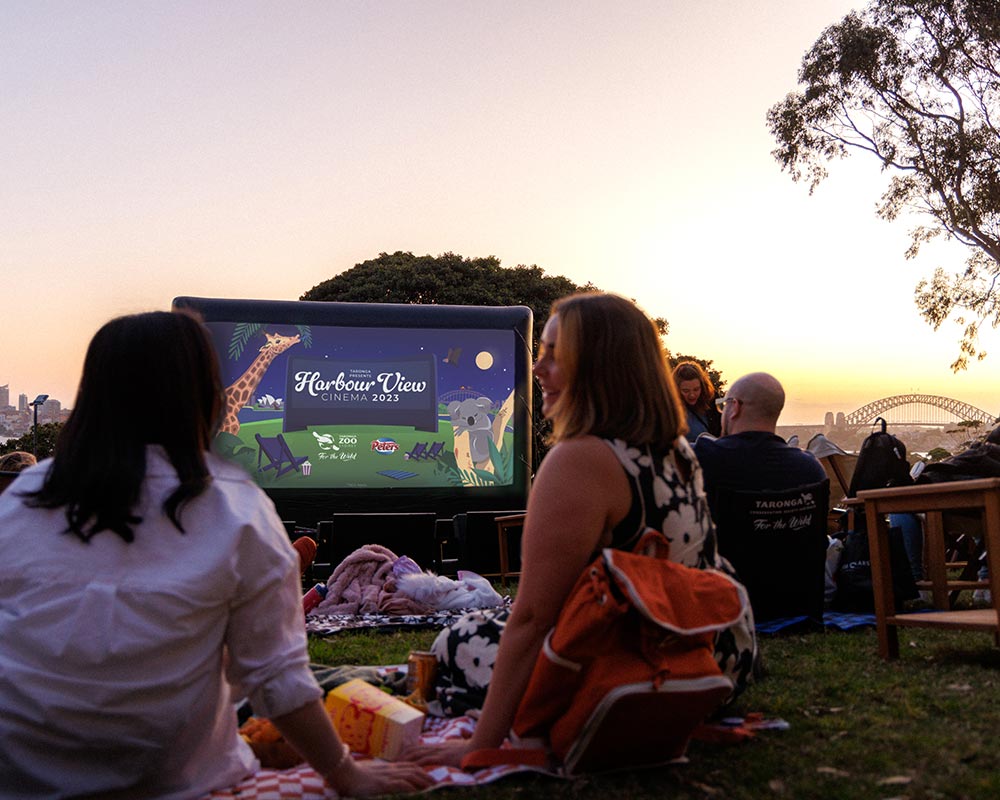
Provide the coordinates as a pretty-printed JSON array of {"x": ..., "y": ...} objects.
[{"x": 34, "y": 435}]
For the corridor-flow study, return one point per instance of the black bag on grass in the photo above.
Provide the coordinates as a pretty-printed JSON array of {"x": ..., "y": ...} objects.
[
  {"x": 881, "y": 463},
  {"x": 855, "y": 592}
]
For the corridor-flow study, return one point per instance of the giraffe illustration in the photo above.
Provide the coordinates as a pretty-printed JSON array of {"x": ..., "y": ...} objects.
[{"x": 240, "y": 392}]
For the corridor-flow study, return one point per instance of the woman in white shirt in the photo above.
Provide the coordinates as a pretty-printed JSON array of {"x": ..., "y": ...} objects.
[{"x": 144, "y": 585}]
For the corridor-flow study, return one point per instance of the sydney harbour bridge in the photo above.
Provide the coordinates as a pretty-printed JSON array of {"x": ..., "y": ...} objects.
[{"x": 914, "y": 409}]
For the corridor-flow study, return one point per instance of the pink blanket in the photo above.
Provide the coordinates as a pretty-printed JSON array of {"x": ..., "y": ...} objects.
[{"x": 364, "y": 583}]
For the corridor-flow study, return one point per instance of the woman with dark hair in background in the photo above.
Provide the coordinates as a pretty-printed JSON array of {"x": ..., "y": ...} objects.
[
  {"x": 619, "y": 465},
  {"x": 698, "y": 395},
  {"x": 145, "y": 585}
]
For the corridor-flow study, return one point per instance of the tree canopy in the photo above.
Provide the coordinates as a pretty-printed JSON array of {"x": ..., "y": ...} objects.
[
  {"x": 450, "y": 279},
  {"x": 916, "y": 84}
]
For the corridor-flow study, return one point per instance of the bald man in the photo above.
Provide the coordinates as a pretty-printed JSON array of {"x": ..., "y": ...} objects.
[{"x": 750, "y": 456}]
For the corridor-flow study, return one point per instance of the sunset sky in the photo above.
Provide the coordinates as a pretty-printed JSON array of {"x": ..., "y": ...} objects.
[{"x": 255, "y": 149}]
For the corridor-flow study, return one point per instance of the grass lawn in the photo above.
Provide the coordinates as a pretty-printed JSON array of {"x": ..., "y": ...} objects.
[{"x": 919, "y": 727}]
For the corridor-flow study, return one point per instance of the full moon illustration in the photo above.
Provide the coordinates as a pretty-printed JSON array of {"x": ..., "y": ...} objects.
[{"x": 484, "y": 360}]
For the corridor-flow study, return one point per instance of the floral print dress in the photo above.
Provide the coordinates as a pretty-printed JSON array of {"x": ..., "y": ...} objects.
[{"x": 667, "y": 494}]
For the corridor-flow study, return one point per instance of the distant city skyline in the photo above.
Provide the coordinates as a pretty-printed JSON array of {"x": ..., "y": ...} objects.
[{"x": 15, "y": 394}]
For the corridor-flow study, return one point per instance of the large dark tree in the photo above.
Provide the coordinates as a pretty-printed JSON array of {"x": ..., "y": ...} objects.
[
  {"x": 450, "y": 279},
  {"x": 914, "y": 83}
]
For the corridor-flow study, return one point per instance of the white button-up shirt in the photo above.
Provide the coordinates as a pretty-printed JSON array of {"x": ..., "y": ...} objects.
[{"x": 113, "y": 679}]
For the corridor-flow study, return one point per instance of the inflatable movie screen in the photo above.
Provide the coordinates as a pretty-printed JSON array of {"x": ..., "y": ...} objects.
[{"x": 375, "y": 407}]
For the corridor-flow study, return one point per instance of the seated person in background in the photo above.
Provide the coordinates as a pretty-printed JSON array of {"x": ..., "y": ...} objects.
[
  {"x": 159, "y": 587},
  {"x": 750, "y": 456},
  {"x": 698, "y": 397},
  {"x": 11, "y": 464},
  {"x": 16, "y": 461},
  {"x": 769, "y": 501}
]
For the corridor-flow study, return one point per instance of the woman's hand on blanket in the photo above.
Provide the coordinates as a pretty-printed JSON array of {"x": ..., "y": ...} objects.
[
  {"x": 370, "y": 778},
  {"x": 448, "y": 753}
]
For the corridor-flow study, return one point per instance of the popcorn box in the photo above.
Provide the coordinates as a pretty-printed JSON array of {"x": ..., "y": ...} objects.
[
  {"x": 307, "y": 468},
  {"x": 371, "y": 721}
]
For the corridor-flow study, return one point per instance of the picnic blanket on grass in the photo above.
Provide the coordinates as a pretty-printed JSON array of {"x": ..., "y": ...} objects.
[
  {"x": 302, "y": 782},
  {"x": 331, "y": 624},
  {"x": 320, "y": 625},
  {"x": 837, "y": 620}
]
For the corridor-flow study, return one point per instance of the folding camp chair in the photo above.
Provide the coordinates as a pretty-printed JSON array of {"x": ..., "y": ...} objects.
[
  {"x": 279, "y": 456},
  {"x": 777, "y": 543},
  {"x": 839, "y": 467}
]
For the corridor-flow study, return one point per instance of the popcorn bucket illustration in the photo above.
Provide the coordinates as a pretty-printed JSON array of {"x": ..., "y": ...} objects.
[{"x": 307, "y": 468}]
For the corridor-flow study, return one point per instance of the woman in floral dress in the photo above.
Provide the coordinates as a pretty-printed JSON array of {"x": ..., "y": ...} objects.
[{"x": 619, "y": 465}]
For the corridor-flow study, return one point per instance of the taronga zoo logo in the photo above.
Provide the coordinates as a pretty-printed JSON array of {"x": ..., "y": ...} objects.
[{"x": 384, "y": 446}]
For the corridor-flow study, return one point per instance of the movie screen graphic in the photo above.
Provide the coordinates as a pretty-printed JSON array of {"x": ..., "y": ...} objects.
[{"x": 340, "y": 407}]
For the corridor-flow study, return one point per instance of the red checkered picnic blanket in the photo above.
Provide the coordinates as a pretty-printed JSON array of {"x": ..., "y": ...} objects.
[{"x": 302, "y": 783}]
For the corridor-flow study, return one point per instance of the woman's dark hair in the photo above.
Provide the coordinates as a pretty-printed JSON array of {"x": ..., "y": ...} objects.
[{"x": 147, "y": 379}]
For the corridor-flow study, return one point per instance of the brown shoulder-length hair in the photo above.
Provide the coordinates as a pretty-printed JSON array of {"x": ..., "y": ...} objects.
[
  {"x": 147, "y": 379},
  {"x": 692, "y": 371},
  {"x": 617, "y": 383}
]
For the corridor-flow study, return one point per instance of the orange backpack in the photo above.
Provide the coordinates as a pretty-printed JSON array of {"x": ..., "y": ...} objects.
[{"x": 628, "y": 672}]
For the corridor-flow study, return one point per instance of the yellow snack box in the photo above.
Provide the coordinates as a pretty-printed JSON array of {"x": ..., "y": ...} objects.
[{"x": 371, "y": 721}]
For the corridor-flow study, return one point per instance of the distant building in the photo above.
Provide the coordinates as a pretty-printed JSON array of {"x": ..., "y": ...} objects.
[
  {"x": 5, "y": 395},
  {"x": 50, "y": 411},
  {"x": 22, "y": 402}
]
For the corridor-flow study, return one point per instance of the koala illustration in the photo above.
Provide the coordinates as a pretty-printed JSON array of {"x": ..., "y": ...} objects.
[{"x": 473, "y": 416}]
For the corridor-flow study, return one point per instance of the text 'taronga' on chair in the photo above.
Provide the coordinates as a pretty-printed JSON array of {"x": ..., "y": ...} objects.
[
  {"x": 777, "y": 542},
  {"x": 279, "y": 457}
]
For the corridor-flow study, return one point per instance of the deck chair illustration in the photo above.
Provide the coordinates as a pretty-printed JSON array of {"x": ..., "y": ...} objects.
[
  {"x": 777, "y": 542},
  {"x": 417, "y": 452},
  {"x": 279, "y": 457},
  {"x": 434, "y": 452}
]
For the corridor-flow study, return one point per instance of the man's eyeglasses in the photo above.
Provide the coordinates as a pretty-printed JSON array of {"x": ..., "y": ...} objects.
[{"x": 720, "y": 402}]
